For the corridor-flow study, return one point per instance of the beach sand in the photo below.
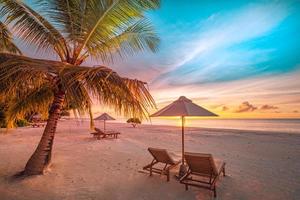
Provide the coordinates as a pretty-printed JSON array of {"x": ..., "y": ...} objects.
[{"x": 259, "y": 165}]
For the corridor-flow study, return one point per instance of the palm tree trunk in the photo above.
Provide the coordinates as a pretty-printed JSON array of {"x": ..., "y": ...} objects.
[
  {"x": 92, "y": 124},
  {"x": 41, "y": 158}
]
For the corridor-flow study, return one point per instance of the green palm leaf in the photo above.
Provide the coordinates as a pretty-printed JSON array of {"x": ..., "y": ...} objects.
[
  {"x": 86, "y": 23},
  {"x": 137, "y": 37}
]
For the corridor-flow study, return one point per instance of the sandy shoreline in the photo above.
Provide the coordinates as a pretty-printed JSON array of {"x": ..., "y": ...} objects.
[{"x": 259, "y": 165}]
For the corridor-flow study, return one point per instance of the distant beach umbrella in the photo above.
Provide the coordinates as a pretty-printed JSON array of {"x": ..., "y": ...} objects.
[
  {"x": 103, "y": 118},
  {"x": 183, "y": 107},
  {"x": 36, "y": 117}
]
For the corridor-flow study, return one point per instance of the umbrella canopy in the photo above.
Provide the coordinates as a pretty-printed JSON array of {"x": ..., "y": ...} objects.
[
  {"x": 36, "y": 117},
  {"x": 183, "y": 107},
  {"x": 104, "y": 117}
]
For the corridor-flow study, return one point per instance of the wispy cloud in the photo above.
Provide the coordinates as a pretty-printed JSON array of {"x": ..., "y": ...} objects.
[{"x": 211, "y": 47}]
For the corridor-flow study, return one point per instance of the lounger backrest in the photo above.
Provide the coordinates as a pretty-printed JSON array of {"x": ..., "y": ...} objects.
[
  {"x": 201, "y": 163},
  {"x": 161, "y": 155},
  {"x": 99, "y": 131}
]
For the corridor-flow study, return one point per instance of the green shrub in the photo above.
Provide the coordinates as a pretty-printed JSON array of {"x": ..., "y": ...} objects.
[
  {"x": 134, "y": 121},
  {"x": 22, "y": 122}
]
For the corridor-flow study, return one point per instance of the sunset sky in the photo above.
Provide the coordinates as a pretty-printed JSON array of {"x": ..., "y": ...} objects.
[{"x": 236, "y": 58}]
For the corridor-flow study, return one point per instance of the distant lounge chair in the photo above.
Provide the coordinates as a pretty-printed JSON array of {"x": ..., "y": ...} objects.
[
  {"x": 37, "y": 124},
  {"x": 101, "y": 135},
  {"x": 205, "y": 168},
  {"x": 161, "y": 156}
]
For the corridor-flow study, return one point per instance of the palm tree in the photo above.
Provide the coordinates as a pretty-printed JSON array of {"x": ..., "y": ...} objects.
[{"x": 74, "y": 30}]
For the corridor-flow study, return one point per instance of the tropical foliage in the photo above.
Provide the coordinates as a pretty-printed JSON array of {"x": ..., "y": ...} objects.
[
  {"x": 73, "y": 30},
  {"x": 134, "y": 121}
]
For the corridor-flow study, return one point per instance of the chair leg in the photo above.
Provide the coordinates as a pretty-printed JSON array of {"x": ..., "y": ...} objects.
[
  {"x": 151, "y": 165},
  {"x": 168, "y": 175},
  {"x": 224, "y": 171},
  {"x": 215, "y": 191},
  {"x": 186, "y": 187}
]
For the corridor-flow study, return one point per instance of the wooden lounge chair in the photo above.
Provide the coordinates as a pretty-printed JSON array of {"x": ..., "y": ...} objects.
[
  {"x": 37, "y": 125},
  {"x": 161, "y": 156},
  {"x": 113, "y": 134},
  {"x": 101, "y": 135},
  {"x": 205, "y": 170}
]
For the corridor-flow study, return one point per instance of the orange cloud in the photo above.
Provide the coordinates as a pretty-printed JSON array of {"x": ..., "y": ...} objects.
[
  {"x": 246, "y": 107},
  {"x": 225, "y": 108},
  {"x": 268, "y": 107}
]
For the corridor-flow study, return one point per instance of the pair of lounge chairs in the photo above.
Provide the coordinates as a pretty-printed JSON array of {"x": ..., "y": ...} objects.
[
  {"x": 107, "y": 134},
  {"x": 203, "y": 171}
]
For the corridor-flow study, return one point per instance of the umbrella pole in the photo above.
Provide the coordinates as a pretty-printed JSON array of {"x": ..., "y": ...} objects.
[
  {"x": 182, "y": 138},
  {"x": 182, "y": 169},
  {"x": 104, "y": 125}
]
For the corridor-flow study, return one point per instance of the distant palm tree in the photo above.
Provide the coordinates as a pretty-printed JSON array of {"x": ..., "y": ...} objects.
[{"x": 74, "y": 30}]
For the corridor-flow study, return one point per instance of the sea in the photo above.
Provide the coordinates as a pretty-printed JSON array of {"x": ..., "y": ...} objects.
[
  {"x": 266, "y": 125},
  {"x": 291, "y": 126}
]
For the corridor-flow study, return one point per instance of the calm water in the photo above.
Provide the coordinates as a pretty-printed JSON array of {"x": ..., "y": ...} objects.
[{"x": 274, "y": 125}]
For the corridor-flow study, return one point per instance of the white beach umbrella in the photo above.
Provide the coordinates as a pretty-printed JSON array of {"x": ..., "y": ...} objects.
[
  {"x": 104, "y": 117},
  {"x": 183, "y": 107}
]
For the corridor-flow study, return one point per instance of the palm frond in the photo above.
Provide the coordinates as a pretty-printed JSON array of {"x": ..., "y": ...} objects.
[
  {"x": 6, "y": 41},
  {"x": 139, "y": 36},
  {"x": 67, "y": 15},
  {"x": 141, "y": 93},
  {"x": 77, "y": 96},
  {"x": 105, "y": 86},
  {"x": 19, "y": 74},
  {"x": 16, "y": 78},
  {"x": 106, "y": 19},
  {"x": 33, "y": 28}
]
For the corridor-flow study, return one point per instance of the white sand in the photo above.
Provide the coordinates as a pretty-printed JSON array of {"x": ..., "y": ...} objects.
[{"x": 259, "y": 165}]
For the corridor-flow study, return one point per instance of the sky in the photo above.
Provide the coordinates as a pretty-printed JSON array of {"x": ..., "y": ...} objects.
[{"x": 239, "y": 59}]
